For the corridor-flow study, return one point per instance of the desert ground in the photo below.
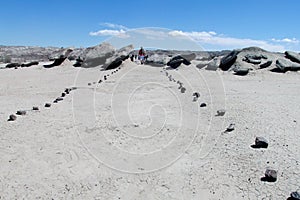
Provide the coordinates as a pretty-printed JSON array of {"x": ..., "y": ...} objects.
[{"x": 136, "y": 135}]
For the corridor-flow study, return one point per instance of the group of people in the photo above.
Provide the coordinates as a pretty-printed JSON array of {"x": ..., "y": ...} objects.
[{"x": 142, "y": 57}]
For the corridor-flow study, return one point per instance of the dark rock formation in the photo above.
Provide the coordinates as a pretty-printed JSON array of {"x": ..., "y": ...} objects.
[
  {"x": 293, "y": 56},
  {"x": 266, "y": 64},
  {"x": 228, "y": 61},
  {"x": 13, "y": 65},
  {"x": 56, "y": 62},
  {"x": 286, "y": 65},
  {"x": 29, "y": 64},
  {"x": 176, "y": 61},
  {"x": 114, "y": 64},
  {"x": 78, "y": 62}
]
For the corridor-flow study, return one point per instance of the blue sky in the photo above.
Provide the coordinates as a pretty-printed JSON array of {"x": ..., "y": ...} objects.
[{"x": 214, "y": 24}]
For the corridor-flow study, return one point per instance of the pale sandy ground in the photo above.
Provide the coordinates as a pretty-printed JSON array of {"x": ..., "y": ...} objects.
[{"x": 136, "y": 136}]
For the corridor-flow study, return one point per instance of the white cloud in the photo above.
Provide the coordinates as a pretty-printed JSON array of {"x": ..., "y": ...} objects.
[
  {"x": 114, "y": 26},
  {"x": 286, "y": 40},
  {"x": 207, "y": 39},
  {"x": 222, "y": 42},
  {"x": 107, "y": 32}
]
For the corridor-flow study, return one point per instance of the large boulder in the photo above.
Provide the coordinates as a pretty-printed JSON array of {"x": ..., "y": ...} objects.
[
  {"x": 286, "y": 65},
  {"x": 214, "y": 64},
  {"x": 228, "y": 61},
  {"x": 293, "y": 56},
  {"x": 13, "y": 65},
  {"x": 29, "y": 64},
  {"x": 97, "y": 55},
  {"x": 56, "y": 62},
  {"x": 176, "y": 61},
  {"x": 266, "y": 64}
]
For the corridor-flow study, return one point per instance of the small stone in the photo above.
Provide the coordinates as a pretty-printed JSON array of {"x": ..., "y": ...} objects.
[
  {"x": 21, "y": 112},
  {"x": 67, "y": 90},
  {"x": 196, "y": 94},
  {"x": 89, "y": 84},
  {"x": 63, "y": 94},
  {"x": 99, "y": 81},
  {"x": 295, "y": 195},
  {"x": 183, "y": 90},
  {"x": 270, "y": 175},
  {"x": 230, "y": 127},
  {"x": 12, "y": 117},
  {"x": 260, "y": 142},
  {"x": 221, "y": 112},
  {"x": 203, "y": 105},
  {"x": 59, "y": 99},
  {"x": 47, "y": 105},
  {"x": 35, "y": 108}
]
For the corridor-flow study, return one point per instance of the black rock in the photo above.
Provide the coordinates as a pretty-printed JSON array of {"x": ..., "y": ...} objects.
[
  {"x": 21, "y": 112},
  {"x": 29, "y": 64},
  {"x": 203, "y": 105},
  {"x": 230, "y": 128},
  {"x": 67, "y": 90},
  {"x": 35, "y": 108},
  {"x": 228, "y": 60},
  {"x": 176, "y": 61},
  {"x": 47, "y": 105},
  {"x": 295, "y": 195},
  {"x": 260, "y": 142},
  {"x": 293, "y": 56},
  {"x": 270, "y": 175},
  {"x": 56, "y": 62},
  {"x": 89, "y": 84},
  {"x": 241, "y": 71},
  {"x": 12, "y": 117},
  {"x": 266, "y": 64},
  {"x": 63, "y": 94},
  {"x": 114, "y": 64},
  {"x": 253, "y": 61},
  {"x": 13, "y": 65}
]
